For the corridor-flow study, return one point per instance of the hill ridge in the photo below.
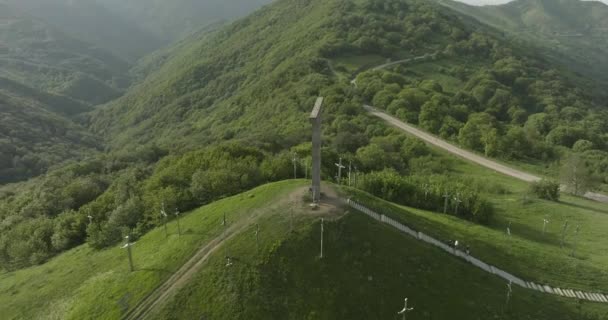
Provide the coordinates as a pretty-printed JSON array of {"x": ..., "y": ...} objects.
[{"x": 455, "y": 251}]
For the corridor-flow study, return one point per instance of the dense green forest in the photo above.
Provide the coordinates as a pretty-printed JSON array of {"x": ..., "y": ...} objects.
[
  {"x": 91, "y": 22},
  {"x": 131, "y": 29},
  {"x": 59, "y": 59},
  {"x": 34, "y": 139},
  {"x": 46, "y": 80},
  {"x": 171, "y": 20},
  {"x": 227, "y": 111},
  {"x": 569, "y": 32},
  {"x": 509, "y": 107},
  {"x": 491, "y": 98},
  {"x": 40, "y": 56}
]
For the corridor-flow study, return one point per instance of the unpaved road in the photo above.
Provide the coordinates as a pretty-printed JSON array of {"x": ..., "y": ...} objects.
[
  {"x": 467, "y": 155},
  {"x": 179, "y": 279},
  {"x": 386, "y": 65},
  {"x": 161, "y": 294},
  {"x": 389, "y": 64}
]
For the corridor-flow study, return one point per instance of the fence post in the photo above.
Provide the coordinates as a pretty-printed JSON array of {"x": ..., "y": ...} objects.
[{"x": 491, "y": 269}]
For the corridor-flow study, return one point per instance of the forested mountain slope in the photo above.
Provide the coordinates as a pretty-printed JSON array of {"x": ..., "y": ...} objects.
[
  {"x": 172, "y": 20},
  {"x": 34, "y": 138},
  {"x": 572, "y": 32},
  {"x": 47, "y": 79},
  {"x": 93, "y": 23},
  {"x": 59, "y": 59},
  {"x": 132, "y": 29},
  {"x": 366, "y": 269},
  {"x": 227, "y": 111},
  {"x": 37, "y": 55},
  {"x": 250, "y": 79}
]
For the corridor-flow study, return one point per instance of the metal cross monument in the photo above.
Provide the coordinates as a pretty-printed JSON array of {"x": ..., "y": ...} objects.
[
  {"x": 405, "y": 310},
  {"x": 315, "y": 120}
]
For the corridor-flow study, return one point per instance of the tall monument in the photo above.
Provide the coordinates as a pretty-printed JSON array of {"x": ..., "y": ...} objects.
[{"x": 315, "y": 119}]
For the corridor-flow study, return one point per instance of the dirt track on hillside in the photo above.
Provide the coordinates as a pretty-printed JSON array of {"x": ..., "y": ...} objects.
[
  {"x": 467, "y": 155},
  {"x": 179, "y": 279}
]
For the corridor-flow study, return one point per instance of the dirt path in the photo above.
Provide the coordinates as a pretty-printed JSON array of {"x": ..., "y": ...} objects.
[
  {"x": 386, "y": 65},
  {"x": 390, "y": 64},
  {"x": 161, "y": 294},
  {"x": 467, "y": 155},
  {"x": 185, "y": 273},
  {"x": 590, "y": 296}
]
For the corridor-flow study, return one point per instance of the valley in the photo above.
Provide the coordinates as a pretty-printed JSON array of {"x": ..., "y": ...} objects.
[{"x": 185, "y": 127}]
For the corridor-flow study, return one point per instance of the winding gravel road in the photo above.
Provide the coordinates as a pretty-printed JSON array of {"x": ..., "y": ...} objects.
[
  {"x": 467, "y": 155},
  {"x": 390, "y": 64},
  {"x": 164, "y": 292},
  {"x": 155, "y": 300}
]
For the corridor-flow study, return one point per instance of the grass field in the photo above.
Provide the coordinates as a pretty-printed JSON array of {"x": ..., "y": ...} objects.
[
  {"x": 528, "y": 253},
  {"x": 367, "y": 271},
  {"x": 88, "y": 284},
  {"x": 586, "y": 267},
  {"x": 550, "y": 170}
]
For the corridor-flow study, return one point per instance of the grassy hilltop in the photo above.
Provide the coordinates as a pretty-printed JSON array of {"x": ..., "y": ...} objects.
[
  {"x": 226, "y": 111},
  {"x": 367, "y": 270},
  {"x": 88, "y": 284}
]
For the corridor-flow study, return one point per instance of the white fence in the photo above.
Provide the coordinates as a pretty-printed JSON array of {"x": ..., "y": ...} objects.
[{"x": 596, "y": 297}]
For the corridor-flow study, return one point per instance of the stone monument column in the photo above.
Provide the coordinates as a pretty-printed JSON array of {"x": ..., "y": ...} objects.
[{"x": 315, "y": 120}]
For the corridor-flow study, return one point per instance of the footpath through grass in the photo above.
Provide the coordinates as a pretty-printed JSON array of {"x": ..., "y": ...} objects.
[
  {"x": 580, "y": 263},
  {"x": 528, "y": 253},
  {"x": 88, "y": 284},
  {"x": 367, "y": 271}
]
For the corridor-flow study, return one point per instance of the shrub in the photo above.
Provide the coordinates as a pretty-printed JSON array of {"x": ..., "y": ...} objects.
[
  {"x": 546, "y": 189},
  {"x": 427, "y": 192}
]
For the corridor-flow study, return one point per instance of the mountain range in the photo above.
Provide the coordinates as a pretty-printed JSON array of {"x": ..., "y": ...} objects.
[
  {"x": 133, "y": 28},
  {"x": 60, "y": 59},
  {"x": 225, "y": 108},
  {"x": 571, "y": 32}
]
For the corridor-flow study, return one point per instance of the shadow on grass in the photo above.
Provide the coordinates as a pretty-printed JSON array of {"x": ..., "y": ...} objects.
[
  {"x": 579, "y": 206},
  {"x": 533, "y": 234},
  {"x": 195, "y": 233},
  {"x": 249, "y": 262},
  {"x": 157, "y": 270}
]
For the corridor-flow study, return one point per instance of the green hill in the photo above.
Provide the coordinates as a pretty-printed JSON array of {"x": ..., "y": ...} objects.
[
  {"x": 46, "y": 80},
  {"x": 34, "y": 137},
  {"x": 173, "y": 20},
  {"x": 241, "y": 83},
  {"x": 259, "y": 75},
  {"x": 571, "y": 32},
  {"x": 131, "y": 29},
  {"x": 85, "y": 283},
  {"x": 228, "y": 110},
  {"x": 40, "y": 56},
  {"x": 232, "y": 85},
  {"x": 367, "y": 270},
  {"x": 38, "y": 131},
  {"x": 91, "y": 22}
]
